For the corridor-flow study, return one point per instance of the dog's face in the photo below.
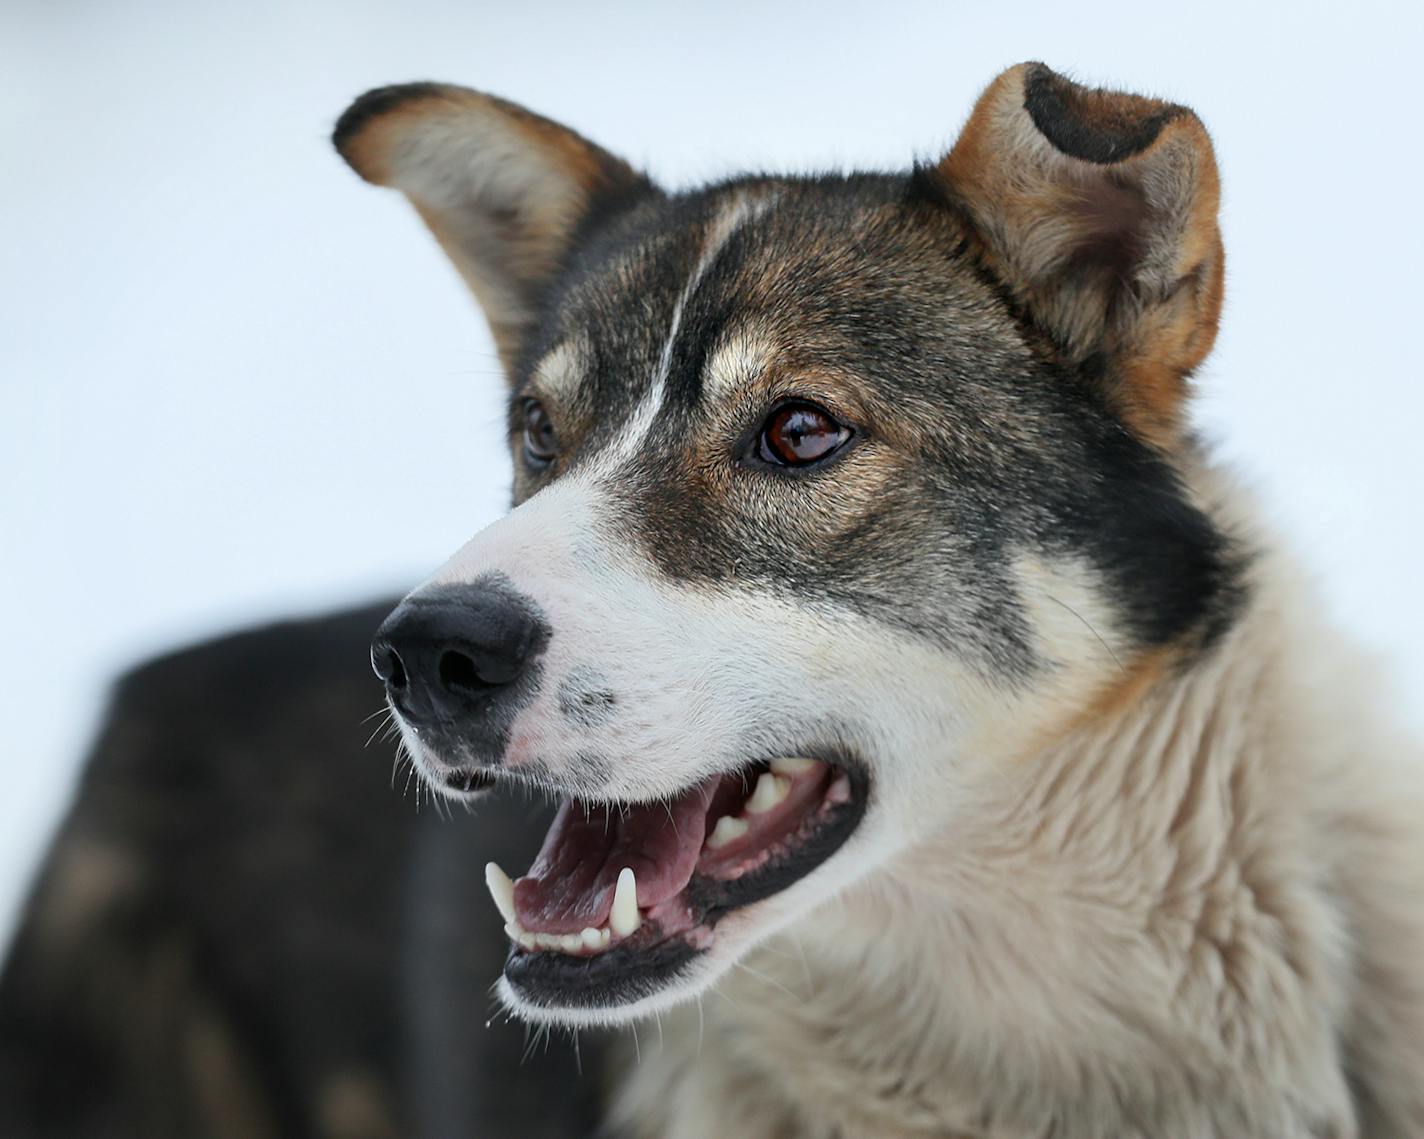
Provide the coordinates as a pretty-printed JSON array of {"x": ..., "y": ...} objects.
[{"x": 835, "y": 497}]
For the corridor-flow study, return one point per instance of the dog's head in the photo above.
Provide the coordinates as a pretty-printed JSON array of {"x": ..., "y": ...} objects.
[{"x": 834, "y": 495}]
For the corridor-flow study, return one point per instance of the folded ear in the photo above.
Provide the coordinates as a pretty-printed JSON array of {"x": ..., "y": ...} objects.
[
  {"x": 1098, "y": 211},
  {"x": 503, "y": 189}
]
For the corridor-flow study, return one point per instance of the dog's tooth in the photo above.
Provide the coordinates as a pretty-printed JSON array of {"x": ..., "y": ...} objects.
[
  {"x": 729, "y": 828},
  {"x": 516, "y": 933},
  {"x": 792, "y": 765},
  {"x": 625, "y": 918},
  {"x": 501, "y": 889},
  {"x": 571, "y": 942},
  {"x": 592, "y": 938},
  {"x": 769, "y": 791}
]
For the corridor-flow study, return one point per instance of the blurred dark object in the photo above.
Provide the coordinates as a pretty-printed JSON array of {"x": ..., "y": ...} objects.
[{"x": 242, "y": 930}]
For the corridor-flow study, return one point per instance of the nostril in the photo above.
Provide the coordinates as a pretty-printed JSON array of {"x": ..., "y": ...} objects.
[
  {"x": 459, "y": 674},
  {"x": 450, "y": 653},
  {"x": 389, "y": 667}
]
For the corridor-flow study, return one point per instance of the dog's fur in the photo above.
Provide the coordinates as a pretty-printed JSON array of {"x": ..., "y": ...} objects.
[{"x": 1139, "y": 857}]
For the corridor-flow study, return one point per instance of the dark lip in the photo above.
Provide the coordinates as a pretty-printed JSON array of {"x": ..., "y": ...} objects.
[
  {"x": 647, "y": 964},
  {"x": 466, "y": 781},
  {"x": 454, "y": 780},
  {"x": 619, "y": 976}
]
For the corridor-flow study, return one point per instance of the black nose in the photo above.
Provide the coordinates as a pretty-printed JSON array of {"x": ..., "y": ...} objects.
[{"x": 451, "y": 651}]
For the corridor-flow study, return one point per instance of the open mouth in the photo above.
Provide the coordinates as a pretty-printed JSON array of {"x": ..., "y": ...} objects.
[{"x": 622, "y": 896}]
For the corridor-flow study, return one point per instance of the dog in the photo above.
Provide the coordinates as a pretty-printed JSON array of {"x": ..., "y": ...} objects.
[
  {"x": 886, "y": 631},
  {"x": 942, "y": 744}
]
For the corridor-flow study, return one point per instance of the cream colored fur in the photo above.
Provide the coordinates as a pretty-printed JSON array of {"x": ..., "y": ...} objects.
[{"x": 1187, "y": 920}]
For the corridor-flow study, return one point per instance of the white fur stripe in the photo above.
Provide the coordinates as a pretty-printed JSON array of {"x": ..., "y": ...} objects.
[{"x": 735, "y": 214}]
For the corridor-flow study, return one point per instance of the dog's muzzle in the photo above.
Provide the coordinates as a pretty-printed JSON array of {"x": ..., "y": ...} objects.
[{"x": 458, "y": 661}]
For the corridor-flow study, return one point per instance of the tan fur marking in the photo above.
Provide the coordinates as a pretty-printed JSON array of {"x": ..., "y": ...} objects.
[
  {"x": 500, "y": 187},
  {"x": 352, "y": 1105},
  {"x": 1121, "y": 692},
  {"x": 225, "y": 1087},
  {"x": 734, "y": 364},
  {"x": 376, "y": 151},
  {"x": 559, "y": 373},
  {"x": 87, "y": 878},
  {"x": 1043, "y": 216}
]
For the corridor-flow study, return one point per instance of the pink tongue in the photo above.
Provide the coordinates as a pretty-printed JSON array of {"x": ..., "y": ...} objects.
[{"x": 570, "y": 886}]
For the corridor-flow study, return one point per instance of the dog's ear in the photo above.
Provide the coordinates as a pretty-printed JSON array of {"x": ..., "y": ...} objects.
[
  {"x": 1098, "y": 211},
  {"x": 504, "y": 190}
]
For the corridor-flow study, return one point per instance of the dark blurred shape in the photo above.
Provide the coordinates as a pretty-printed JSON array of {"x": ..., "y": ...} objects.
[{"x": 242, "y": 930}]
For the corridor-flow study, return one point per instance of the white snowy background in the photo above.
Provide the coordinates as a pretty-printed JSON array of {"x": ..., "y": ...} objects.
[{"x": 235, "y": 382}]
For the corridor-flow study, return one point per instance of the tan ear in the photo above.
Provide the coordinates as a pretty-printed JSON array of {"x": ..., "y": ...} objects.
[
  {"x": 503, "y": 189},
  {"x": 1098, "y": 211}
]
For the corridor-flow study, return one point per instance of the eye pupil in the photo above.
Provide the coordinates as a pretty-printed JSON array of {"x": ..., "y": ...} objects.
[
  {"x": 800, "y": 433},
  {"x": 541, "y": 443}
]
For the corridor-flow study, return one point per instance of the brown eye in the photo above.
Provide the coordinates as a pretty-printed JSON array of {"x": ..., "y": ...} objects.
[
  {"x": 798, "y": 434},
  {"x": 541, "y": 444}
]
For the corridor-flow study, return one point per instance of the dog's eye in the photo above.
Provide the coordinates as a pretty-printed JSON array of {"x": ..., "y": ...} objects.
[
  {"x": 799, "y": 434},
  {"x": 541, "y": 444}
]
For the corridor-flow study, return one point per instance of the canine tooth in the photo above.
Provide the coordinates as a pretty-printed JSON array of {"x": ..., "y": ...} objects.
[
  {"x": 769, "y": 791},
  {"x": 792, "y": 765},
  {"x": 501, "y": 889},
  {"x": 729, "y": 828},
  {"x": 592, "y": 938},
  {"x": 625, "y": 918}
]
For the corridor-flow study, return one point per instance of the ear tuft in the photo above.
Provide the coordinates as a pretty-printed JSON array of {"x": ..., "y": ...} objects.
[
  {"x": 504, "y": 191},
  {"x": 1097, "y": 209}
]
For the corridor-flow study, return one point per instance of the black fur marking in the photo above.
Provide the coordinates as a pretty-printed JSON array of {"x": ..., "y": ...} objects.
[
  {"x": 585, "y": 699},
  {"x": 1173, "y": 569},
  {"x": 1088, "y": 133}
]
